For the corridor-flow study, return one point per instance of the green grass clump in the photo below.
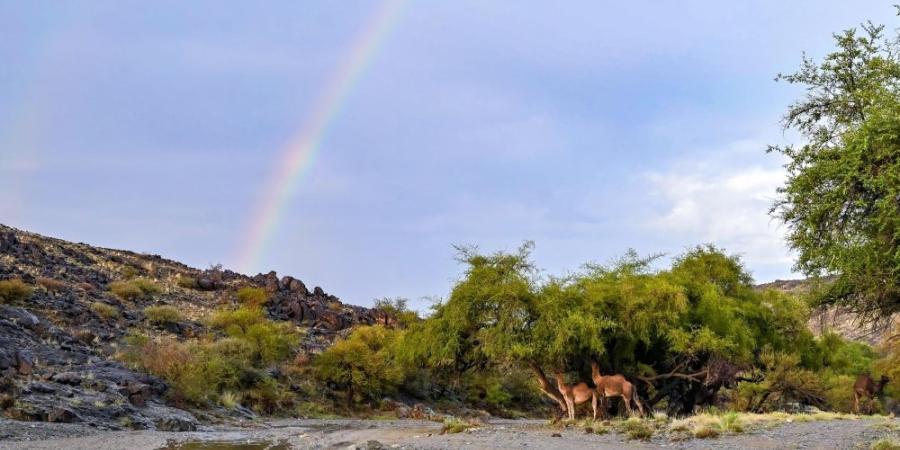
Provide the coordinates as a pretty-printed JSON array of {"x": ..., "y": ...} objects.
[
  {"x": 105, "y": 311},
  {"x": 14, "y": 291},
  {"x": 186, "y": 282},
  {"x": 885, "y": 444},
  {"x": 133, "y": 289},
  {"x": 252, "y": 296},
  {"x": 635, "y": 428},
  {"x": 271, "y": 341},
  {"x": 162, "y": 314},
  {"x": 731, "y": 422},
  {"x": 707, "y": 432},
  {"x": 456, "y": 425},
  {"x": 228, "y": 399}
]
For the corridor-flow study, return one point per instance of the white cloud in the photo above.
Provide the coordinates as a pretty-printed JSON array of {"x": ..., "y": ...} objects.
[{"x": 726, "y": 206}]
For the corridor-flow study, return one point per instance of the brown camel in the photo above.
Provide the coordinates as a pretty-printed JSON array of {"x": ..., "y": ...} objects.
[
  {"x": 866, "y": 387},
  {"x": 615, "y": 386},
  {"x": 576, "y": 395}
]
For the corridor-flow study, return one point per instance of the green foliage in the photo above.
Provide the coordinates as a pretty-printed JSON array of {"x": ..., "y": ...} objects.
[
  {"x": 270, "y": 341},
  {"x": 252, "y": 296},
  {"x": 397, "y": 307},
  {"x": 885, "y": 444},
  {"x": 14, "y": 291},
  {"x": 840, "y": 198},
  {"x": 162, "y": 314},
  {"x": 362, "y": 364},
  {"x": 105, "y": 311},
  {"x": 222, "y": 369}
]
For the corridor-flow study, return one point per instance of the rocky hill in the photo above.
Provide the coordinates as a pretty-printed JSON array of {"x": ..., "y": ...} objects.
[
  {"x": 837, "y": 319},
  {"x": 58, "y": 343}
]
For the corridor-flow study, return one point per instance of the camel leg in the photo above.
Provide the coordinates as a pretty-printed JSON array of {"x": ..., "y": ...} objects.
[
  {"x": 856, "y": 403},
  {"x": 594, "y": 405},
  {"x": 637, "y": 402},
  {"x": 627, "y": 402},
  {"x": 571, "y": 405}
]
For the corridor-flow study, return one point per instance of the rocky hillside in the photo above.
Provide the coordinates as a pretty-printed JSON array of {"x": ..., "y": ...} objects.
[
  {"x": 836, "y": 318},
  {"x": 58, "y": 341}
]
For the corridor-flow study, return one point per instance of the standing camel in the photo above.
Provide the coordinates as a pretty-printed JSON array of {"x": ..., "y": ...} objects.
[
  {"x": 576, "y": 395},
  {"x": 866, "y": 387},
  {"x": 615, "y": 386}
]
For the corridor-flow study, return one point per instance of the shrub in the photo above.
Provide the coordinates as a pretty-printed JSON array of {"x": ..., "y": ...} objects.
[
  {"x": 125, "y": 290},
  {"x": 14, "y": 291},
  {"x": 456, "y": 425},
  {"x": 147, "y": 287},
  {"x": 362, "y": 364},
  {"x": 228, "y": 399},
  {"x": 635, "y": 428},
  {"x": 162, "y": 314},
  {"x": 252, "y": 296},
  {"x": 732, "y": 422},
  {"x": 885, "y": 444},
  {"x": 186, "y": 282},
  {"x": 271, "y": 341},
  {"x": 706, "y": 432},
  {"x": 104, "y": 311},
  {"x": 51, "y": 284}
]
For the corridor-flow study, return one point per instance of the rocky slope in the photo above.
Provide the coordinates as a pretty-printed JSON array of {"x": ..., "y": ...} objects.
[
  {"x": 836, "y": 318},
  {"x": 57, "y": 347}
]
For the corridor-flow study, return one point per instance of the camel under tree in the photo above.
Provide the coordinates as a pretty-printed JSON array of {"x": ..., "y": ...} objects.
[
  {"x": 614, "y": 386},
  {"x": 576, "y": 395},
  {"x": 866, "y": 387}
]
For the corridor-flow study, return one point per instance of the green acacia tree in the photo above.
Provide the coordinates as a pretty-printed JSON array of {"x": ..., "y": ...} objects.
[{"x": 841, "y": 200}]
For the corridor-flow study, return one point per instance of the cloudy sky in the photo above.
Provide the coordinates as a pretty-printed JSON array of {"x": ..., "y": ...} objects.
[{"x": 589, "y": 127}]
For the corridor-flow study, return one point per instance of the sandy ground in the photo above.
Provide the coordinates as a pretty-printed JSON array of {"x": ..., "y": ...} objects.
[{"x": 409, "y": 434}]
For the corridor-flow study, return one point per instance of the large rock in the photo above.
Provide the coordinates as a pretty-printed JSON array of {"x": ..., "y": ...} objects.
[{"x": 176, "y": 423}]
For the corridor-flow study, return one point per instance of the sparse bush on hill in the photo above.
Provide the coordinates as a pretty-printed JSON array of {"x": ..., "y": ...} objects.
[
  {"x": 105, "y": 311},
  {"x": 253, "y": 297},
  {"x": 186, "y": 282},
  {"x": 14, "y": 291},
  {"x": 133, "y": 289},
  {"x": 162, "y": 314},
  {"x": 228, "y": 370}
]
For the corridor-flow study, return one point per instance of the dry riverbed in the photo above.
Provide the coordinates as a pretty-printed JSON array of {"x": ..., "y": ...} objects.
[{"x": 806, "y": 433}]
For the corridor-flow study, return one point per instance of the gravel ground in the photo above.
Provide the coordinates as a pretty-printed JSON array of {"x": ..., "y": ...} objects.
[{"x": 409, "y": 434}]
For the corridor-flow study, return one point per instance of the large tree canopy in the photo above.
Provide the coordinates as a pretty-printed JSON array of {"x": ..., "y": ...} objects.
[
  {"x": 841, "y": 200},
  {"x": 678, "y": 328}
]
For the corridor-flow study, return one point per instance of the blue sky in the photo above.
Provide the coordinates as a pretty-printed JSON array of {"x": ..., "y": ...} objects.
[{"x": 588, "y": 127}]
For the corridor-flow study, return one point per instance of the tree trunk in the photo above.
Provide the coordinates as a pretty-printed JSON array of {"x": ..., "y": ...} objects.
[{"x": 546, "y": 387}]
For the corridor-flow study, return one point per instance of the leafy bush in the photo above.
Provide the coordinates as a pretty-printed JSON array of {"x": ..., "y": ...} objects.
[
  {"x": 222, "y": 369},
  {"x": 271, "y": 341},
  {"x": 162, "y": 314},
  {"x": 105, "y": 311},
  {"x": 253, "y": 297},
  {"x": 14, "y": 291},
  {"x": 362, "y": 365}
]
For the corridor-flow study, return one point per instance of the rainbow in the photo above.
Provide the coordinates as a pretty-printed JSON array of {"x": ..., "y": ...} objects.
[{"x": 299, "y": 154}]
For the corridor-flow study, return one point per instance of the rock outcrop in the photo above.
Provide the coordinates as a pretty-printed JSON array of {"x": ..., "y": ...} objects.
[{"x": 58, "y": 347}]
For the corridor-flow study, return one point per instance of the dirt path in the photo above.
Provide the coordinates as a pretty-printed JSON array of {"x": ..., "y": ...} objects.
[{"x": 407, "y": 434}]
